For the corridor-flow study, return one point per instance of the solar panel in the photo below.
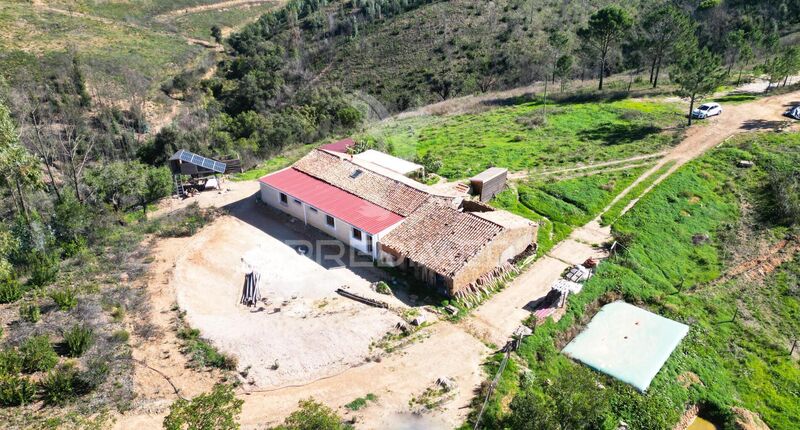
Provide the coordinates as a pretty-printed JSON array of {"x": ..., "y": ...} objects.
[{"x": 203, "y": 162}]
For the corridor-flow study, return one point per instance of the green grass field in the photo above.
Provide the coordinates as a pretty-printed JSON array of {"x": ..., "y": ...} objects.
[
  {"x": 510, "y": 137},
  {"x": 560, "y": 206},
  {"x": 740, "y": 361},
  {"x": 616, "y": 209}
]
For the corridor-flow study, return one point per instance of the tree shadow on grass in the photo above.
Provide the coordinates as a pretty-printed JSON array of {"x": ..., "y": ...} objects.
[
  {"x": 762, "y": 124},
  {"x": 618, "y": 134}
]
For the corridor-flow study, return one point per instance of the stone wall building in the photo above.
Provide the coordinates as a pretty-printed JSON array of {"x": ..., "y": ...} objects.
[{"x": 447, "y": 241}]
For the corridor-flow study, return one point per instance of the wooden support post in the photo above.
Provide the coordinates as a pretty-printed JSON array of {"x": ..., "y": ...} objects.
[{"x": 794, "y": 345}]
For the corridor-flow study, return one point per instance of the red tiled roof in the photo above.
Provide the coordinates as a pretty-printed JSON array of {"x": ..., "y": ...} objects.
[
  {"x": 340, "y": 146},
  {"x": 331, "y": 200},
  {"x": 440, "y": 237}
]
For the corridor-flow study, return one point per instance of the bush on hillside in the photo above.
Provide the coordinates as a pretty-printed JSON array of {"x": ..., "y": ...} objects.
[
  {"x": 30, "y": 312},
  {"x": 65, "y": 298},
  {"x": 217, "y": 410},
  {"x": 59, "y": 386},
  {"x": 16, "y": 391},
  {"x": 313, "y": 415},
  {"x": 44, "y": 268},
  {"x": 78, "y": 339},
  {"x": 10, "y": 290},
  {"x": 10, "y": 362},
  {"x": 38, "y": 354}
]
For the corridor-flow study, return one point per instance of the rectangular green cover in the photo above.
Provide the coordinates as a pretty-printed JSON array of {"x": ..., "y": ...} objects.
[{"x": 627, "y": 342}]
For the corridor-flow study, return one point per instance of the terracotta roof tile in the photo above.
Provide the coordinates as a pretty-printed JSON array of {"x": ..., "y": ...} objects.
[{"x": 440, "y": 237}]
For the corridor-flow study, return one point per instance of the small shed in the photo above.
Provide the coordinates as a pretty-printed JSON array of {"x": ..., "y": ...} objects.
[{"x": 489, "y": 183}]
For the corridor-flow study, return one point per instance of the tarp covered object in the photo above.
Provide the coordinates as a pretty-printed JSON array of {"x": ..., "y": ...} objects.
[
  {"x": 627, "y": 342},
  {"x": 251, "y": 290}
]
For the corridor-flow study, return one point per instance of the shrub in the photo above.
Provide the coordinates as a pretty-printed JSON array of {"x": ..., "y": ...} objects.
[
  {"x": 121, "y": 336},
  {"x": 10, "y": 362},
  {"x": 58, "y": 387},
  {"x": 78, "y": 340},
  {"x": 65, "y": 298},
  {"x": 30, "y": 312},
  {"x": 203, "y": 353},
  {"x": 38, "y": 354},
  {"x": 313, "y": 415},
  {"x": 383, "y": 288},
  {"x": 10, "y": 290},
  {"x": 16, "y": 391},
  {"x": 44, "y": 269},
  {"x": 215, "y": 410}
]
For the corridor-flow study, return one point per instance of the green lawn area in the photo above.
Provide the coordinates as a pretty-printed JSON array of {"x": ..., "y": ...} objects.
[
  {"x": 740, "y": 362},
  {"x": 616, "y": 209},
  {"x": 513, "y": 137},
  {"x": 560, "y": 206}
]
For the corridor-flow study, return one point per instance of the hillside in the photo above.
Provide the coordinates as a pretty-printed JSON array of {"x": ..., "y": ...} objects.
[
  {"x": 122, "y": 46},
  {"x": 411, "y": 53}
]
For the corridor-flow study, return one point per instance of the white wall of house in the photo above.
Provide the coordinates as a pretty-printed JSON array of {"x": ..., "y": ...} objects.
[{"x": 315, "y": 217}]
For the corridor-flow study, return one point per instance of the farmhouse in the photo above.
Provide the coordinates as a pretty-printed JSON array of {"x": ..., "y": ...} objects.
[{"x": 449, "y": 242}]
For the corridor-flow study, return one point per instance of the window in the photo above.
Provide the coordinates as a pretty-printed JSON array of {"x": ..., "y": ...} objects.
[
  {"x": 369, "y": 243},
  {"x": 356, "y": 173},
  {"x": 313, "y": 209},
  {"x": 297, "y": 201},
  {"x": 356, "y": 234},
  {"x": 284, "y": 199},
  {"x": 329, "y": 220}
]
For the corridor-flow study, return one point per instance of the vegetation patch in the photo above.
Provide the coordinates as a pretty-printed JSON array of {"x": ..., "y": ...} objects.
[
  {"x": 201, "y": 352},
  {"x": 561, "y": 205},
  {"x": 575, "y": 133},
  {"x": 737, "y": 328},
  {"x": 361, "y": 402},
  {"x": 636, "y": 192}
]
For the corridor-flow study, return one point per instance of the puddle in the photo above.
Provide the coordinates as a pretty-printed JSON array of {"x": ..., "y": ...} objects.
[{"x": 701, "y": 423}]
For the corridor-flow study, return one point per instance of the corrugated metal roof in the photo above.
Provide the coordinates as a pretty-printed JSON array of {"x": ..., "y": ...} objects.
[
  {"x": 340, "y": 146},
  {"x": 334, "y": 201},
  {"x": 489, "y": 173},
  {"x": 387, "y": 161}
]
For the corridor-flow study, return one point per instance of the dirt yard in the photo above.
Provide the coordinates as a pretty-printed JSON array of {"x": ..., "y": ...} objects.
[{"x": 304, "y": 331}]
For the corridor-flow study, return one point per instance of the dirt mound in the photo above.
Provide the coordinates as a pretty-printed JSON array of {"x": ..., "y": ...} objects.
[{"x": 748, "y": 420}]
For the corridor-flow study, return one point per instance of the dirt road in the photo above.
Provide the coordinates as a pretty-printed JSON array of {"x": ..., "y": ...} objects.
[
  {"x": 498, "y": 317},
  {"x": 213, "y": 6},
  {"x": 446, "y": 350}
]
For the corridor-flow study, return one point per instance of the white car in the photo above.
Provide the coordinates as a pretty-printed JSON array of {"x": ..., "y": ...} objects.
[{"x": 706, "y": 110}]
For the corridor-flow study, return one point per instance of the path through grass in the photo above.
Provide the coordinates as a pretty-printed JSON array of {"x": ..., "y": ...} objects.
[
  {"x": 517, "y": 138},
  {"x": 726, "y": 360}
]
